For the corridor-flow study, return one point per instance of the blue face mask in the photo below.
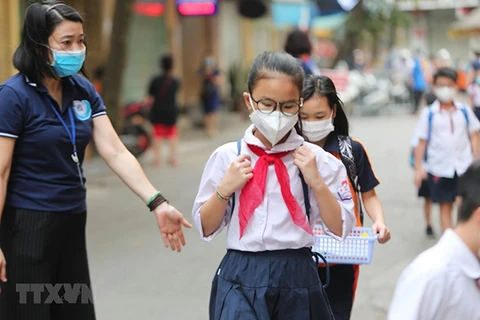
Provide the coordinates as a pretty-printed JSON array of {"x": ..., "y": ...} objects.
[
  {"x": 67, "y": 63},
  {"x": 477, "y": 80}
]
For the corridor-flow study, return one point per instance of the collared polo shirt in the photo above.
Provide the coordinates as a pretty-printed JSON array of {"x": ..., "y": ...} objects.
[{"x": 43, "y": 176}]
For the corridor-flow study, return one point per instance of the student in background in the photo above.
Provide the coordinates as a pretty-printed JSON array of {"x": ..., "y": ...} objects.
[
  {"x": 474, "y": 93},
  {"x": 210, "y": 95},
  {"x": 443, "y": 283},
  {"x": 163, "y": 91},
  {"x": 298, "y": 45},
  {"x": 324, "y": 123},
  {"x": 448, "y": 133}
]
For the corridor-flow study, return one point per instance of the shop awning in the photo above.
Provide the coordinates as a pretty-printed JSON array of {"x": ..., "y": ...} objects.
[
  {"x": 323, "y": 26},
  {"x": 467, "y": 26}
]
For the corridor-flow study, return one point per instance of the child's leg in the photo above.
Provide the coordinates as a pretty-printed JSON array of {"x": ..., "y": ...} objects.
[
  {"x": 428, "y": 211},
  {"x": 157, "y": 153},
  {"x": 173, "y": 145},
  {"x": 444, "y": 191},
  {"x": 446, "y": 215},
  {"x": 156, "y": 144}
]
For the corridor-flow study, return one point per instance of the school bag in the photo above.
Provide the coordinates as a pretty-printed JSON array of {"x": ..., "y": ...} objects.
[
  {"x": 429, "y": 134},
  {"x": 345, "y": 144}
]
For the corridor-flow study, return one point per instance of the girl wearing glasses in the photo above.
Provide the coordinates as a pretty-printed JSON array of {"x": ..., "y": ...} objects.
[
  {"x": 323, "y": 122},
  {"x": 268, "y": 188}
]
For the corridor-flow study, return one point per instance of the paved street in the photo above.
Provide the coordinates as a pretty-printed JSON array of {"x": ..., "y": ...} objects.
[{"x": 136, "y": 278}]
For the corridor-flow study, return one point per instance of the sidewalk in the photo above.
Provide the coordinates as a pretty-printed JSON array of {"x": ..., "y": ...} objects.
[{"x": 191, "y": 140}]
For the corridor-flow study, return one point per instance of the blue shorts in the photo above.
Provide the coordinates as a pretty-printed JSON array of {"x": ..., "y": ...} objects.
[{"x": 443, "y": 190}]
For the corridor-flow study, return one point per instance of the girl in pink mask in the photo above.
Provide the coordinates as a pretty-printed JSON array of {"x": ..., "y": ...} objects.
[
  {"x": 269, "y": 188},
  {"x": 324, "y": 123}
]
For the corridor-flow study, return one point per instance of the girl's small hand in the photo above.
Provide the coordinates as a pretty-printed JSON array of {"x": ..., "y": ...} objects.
[
  {"x": 306, "y": 161},
  {"x": 382, "y": 230},
  {"x": 239, "y": 172}
]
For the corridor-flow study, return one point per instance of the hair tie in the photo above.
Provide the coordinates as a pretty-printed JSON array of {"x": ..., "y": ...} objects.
[{"x": 53, "y": 7}]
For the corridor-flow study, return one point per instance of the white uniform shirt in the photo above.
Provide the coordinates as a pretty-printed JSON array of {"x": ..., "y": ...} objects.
[
  {"x": 271, "y": 226},
  {"x": 440, "y": 284},
  {"x": 449, "y": 150}
]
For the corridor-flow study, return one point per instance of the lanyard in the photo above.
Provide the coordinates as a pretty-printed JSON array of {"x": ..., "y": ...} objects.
[{"x": 72, "y": 134}]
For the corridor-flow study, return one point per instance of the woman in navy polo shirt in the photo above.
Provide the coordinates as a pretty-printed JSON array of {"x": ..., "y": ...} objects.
[{"x": 48, "y": 114}]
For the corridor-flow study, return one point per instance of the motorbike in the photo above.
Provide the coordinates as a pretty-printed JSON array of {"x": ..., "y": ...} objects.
[{"x": 134, "y": 134}]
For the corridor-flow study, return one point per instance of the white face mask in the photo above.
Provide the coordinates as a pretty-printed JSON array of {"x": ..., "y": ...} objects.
[
  {"x": 274, "y": 126},
  {"x": 315, "y": 131},
  {"x": 445, "y": 94}
]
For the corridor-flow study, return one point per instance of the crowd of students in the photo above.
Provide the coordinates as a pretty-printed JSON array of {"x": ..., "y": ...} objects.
[{"x": 295, "y": 166}]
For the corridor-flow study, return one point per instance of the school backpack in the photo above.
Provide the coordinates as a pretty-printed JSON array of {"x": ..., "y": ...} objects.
[
  {"x": 345, "y": 144},
  {"x": 429, "y": 134}
]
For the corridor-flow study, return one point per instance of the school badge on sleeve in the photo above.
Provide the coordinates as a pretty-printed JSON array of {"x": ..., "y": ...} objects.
[
  {"x": 344, "y": 192},
  {"x": 82, "y": 109}
]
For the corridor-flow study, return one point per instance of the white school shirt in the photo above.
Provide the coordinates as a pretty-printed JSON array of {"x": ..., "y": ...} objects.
[
  {"x": 449, "y": 150},
  {"x": 474, "y": 92},
  {"x": 440, "y": 284},
  {"x": 271, "y": 226}
]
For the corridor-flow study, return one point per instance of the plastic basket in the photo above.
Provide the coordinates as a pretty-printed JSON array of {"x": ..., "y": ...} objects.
[{"x": 357, "y": 248}]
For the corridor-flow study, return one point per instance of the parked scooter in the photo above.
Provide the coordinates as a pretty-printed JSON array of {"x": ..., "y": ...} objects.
[{"x": 135, "y": 135}]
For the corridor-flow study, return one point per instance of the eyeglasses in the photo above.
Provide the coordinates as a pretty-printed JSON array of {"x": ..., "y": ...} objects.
[{"x": 288, "y": 108}]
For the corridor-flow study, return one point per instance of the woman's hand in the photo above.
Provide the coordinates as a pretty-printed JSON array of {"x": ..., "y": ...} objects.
[
  {"x": 382, "y": 230},
  {"x": 239, "y": 172},
  {"x": 306, "y": 161},
  {"x": 170, "y": 222},
  {"x": 3, "y": 269}
]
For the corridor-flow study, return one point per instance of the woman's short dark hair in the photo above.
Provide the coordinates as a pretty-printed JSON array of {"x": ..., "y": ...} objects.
[
  {"x": 166, "y": 63},
  {"x": 298, "y": 43},
  {"x": 323, "y": 86},
  {"x": 445, "y": 73},
  {"x": 469, "y": 191},
  {"x": 272, "y": 61},
  {"x": 32, "y": 56}
]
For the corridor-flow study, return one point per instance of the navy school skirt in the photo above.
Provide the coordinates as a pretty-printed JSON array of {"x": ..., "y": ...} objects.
[{"x": 268, "y": 285}]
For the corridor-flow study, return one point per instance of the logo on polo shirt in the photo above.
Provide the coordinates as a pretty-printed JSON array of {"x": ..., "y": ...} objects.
[
  {"x": 82, "y": 109},
  {"x": 344, "y": 191}
]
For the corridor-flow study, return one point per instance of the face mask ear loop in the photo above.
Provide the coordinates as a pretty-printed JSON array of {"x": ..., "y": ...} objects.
[{"x": 251, "y": 102}]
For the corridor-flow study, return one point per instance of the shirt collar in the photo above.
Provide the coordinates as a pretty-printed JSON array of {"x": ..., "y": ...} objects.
[
  {"x": 436, "y": 105},
  {"x": 68, "y": 87},
  {"x": 331, "y": 144},
  {"x": 293, "y": 141},
  {"x": 461, "y": 254}
]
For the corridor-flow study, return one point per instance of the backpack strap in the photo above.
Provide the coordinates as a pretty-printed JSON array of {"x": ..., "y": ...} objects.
[
  {"x": 465, "y": 114},
  {"x": 345, "y": 144},
  {"x": 304, "y": 187},
  {"x": 239, "y": 150},
  {"x": 429, "y": 132},
  {"x": 306, "y": 195},
  {"x": 430, "y": 123}
]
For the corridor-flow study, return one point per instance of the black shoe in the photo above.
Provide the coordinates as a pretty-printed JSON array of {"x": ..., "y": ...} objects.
[{"x": 430, "y": 231}]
